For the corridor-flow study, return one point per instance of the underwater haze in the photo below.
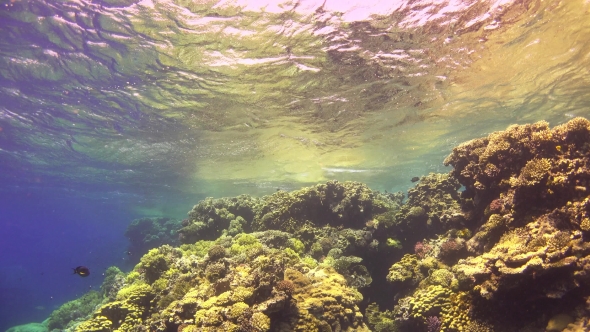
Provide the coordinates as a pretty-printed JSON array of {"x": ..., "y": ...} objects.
[{"x": 116, "y": 110}]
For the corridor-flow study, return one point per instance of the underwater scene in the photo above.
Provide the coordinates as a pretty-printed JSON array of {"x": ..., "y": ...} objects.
[{"x": 294, "y": 165}]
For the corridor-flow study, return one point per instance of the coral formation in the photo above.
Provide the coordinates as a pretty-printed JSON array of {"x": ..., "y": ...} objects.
[
  {"x": 506, "y": 228},
  {"x": 216, "y": 252},
  {"x": 211, "y": 217},
  {"x": 114, "y": 279},
  {"x": 174, "y": 287},
  {"x": 348, "y": 204},
  {"x": 71, "y": 311},
  {"x": 525, "y": 199},
  {"x": 433, "y": 206},
  {"x": 148, "y": 233},
  {"x": 406, "y": 269}
]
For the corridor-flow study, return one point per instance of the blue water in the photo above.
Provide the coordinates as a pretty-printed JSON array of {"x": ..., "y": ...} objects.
[{"x": 45, "y": 233}]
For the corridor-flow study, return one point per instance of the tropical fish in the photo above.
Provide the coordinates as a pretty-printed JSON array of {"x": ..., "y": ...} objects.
[
  {"x": 415, "y": 178},
  {"x": 82, "y": 271}
]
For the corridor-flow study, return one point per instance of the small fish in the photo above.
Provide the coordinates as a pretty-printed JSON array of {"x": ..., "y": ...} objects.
[
  {"x": 415, "y": 178},
  {"x": 82, "y": 271}
]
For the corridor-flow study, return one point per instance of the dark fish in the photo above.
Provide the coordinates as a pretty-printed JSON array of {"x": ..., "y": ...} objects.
[
  {"x": 415, "y": 178},
  {"x": 82, "y": 271}
]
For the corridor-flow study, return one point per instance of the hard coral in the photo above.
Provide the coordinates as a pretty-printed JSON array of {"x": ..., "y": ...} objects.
[
  {"x": 326, "y": 302},
  {"x": 73, "y": 310},
  {"x": 211, "y": 216},
  {"x": 433, "y": 205},
  {"x": 348, "y": 204},
  {"x": 451, "y": 250},
  {"x": 525, "y": 156},
  {"x": 497, "y": 206},
  {"x": 406, "y": 269},
  {"x": 421, "y": 249},
  {"x": 216, "y": 252},
  {"x": 148, "y": 233},
  {"x": 125, "y": 314},
  {"x": 537, "y": 248},
  {"x": 285, "y": 286},
  {"x": 429, "y": 301},
  {"x": 156, "y": 262},
  {"x": 534, "y": 172},
  {"x": 114, "y": 280},
  {"x": 215, "y": 271},
  {"x": 197, "y": 293}
]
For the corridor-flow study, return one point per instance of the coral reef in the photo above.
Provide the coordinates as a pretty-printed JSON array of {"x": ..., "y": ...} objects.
[
  {"x": 212, "y": 217},
  {"x": 526, "y": 202},
  {"x": 406, "y": 269},
  {"x": 240, "y": 285},
  {"x": 348, "y": 205},
  {"x": 433, "y": 206},
  {"x": 500, "y": 243},
  {"x": 147, "y": 233},
  {"x": 114, "y": 279},
  {"x": 71, "y": 311}
]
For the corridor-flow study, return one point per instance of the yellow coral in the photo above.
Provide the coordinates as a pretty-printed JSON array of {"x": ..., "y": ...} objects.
[
  {"x": 442, "y": 277},
  {"x": 209, "y": 317},
  {"x": 133, "y": 290},
  {"x": 242, "y": 294},
  {"x": 406, "y": 268},
  {"x": 209, "y": 303},
  {"x": 225, "y": 298},
  {"x": 132, "y": 277},
  {"x": 260, "y": 322},
  {"x": 534, "y": 172},
  {"x": 236, "y": 310},
  {"x": 455, "y": 315},
  {"x": 96, "y": 324},
  {"x": 325, "y": 301},
  {"x": 122, "y": 316},
  {"x": 423, "y": 301},
  {"x": 245, "y": 243}
]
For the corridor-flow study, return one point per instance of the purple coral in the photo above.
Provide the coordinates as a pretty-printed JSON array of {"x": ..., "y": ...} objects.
[
  {"x": 421, "y": 249},
  {"x": 433, "y": 324},
  {"x": 497, "y": 205}
]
